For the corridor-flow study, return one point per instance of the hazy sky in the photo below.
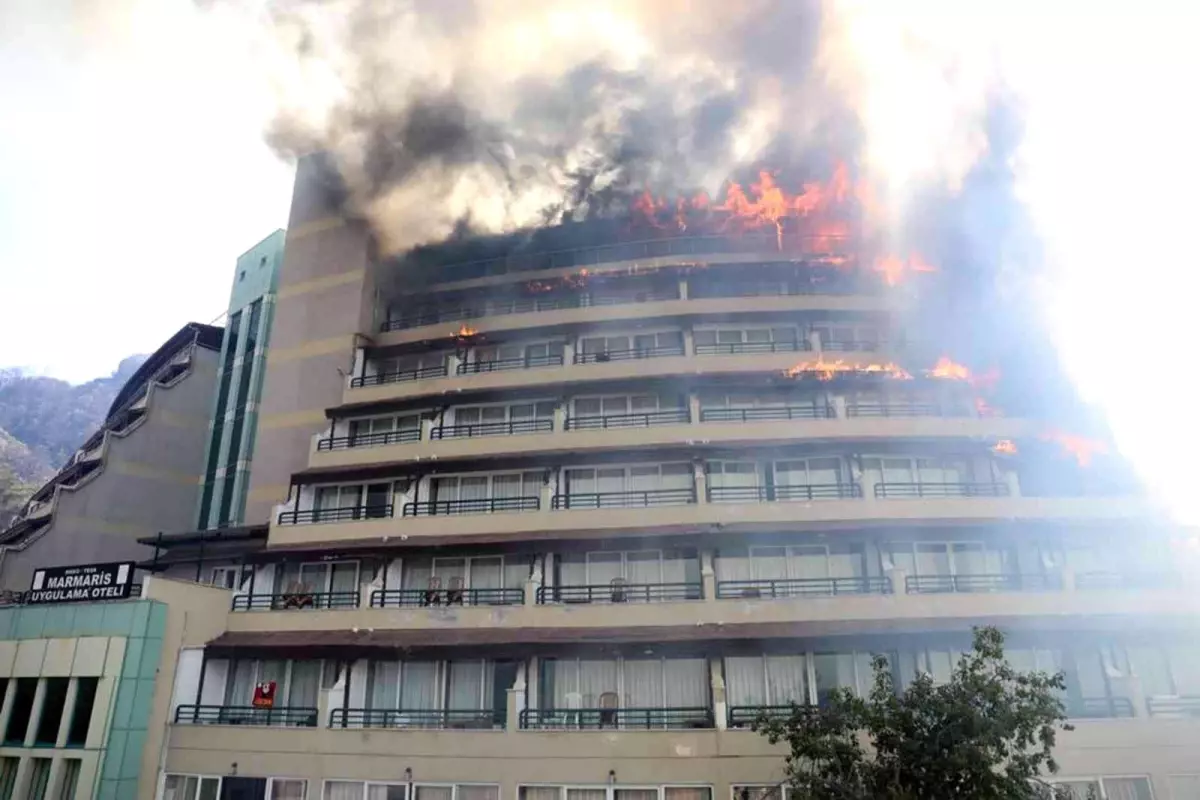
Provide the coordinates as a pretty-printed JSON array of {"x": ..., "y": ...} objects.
[{"x": 132, "y": 174}]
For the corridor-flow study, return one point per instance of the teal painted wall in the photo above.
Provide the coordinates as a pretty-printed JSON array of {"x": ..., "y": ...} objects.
[{"x": 143, "y": 623}]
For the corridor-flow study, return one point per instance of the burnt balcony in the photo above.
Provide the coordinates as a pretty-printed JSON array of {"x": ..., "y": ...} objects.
[
  {"x": 619, "y": 591},
  {"x": 894, "y": 408},
  {"x": 743, "y": 348},
  {"x": 616, "y": 718},
  {"x": 420, "y": 718},
  {"x": 628, "y": 499},
  {"x": 647, "y": 419},
  {"x": 942, "y": 490},
  {"x": 505, "y": 364},
  {"x": 477, "y": 505},
  {"x": 952, "y": 584},
  {"x": 297, "y": 599},
  {"x": 509, "y": 428},
  {"x": 434, "y": 596},
  {"x": 369, "y": 440},
  {"x": 282, "y": 716},
  {"x": 769, "y": 494},
  {"x": 801, "y": 587},
  {"x": 630, "y": 354},
  {"x": 400, "y": 376},
  {"x": 315, "y": 516},
  {"x": 768, "y": 413}
]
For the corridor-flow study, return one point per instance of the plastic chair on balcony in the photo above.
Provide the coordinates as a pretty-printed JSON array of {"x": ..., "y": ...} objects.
[
  {"x": 608, "y": 709},
  {"x": 456, "y": 592},
  {"x": 619, "y": 594},
  {"x": 297, "y": 596},
  {"x": 433, "y": 592}
]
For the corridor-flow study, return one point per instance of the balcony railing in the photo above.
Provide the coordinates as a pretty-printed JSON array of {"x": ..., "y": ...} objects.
[
  {"x": 453, "y": 718},
  {"x": 433, "y": 598},
  {"x": 965, "y": 489},
  {"x": 346, "y": 514},
  {"x": 492, "y": 429},
  {"x": 645, "y": 420},
  {"x": 621, "y": 593},
  {"x": 627, "y": 718},
  {"x": 745, "y": 716},
  {"x": 767, "y": 413},
  {"x": 291, "y": 717},
  {"x": 481, "y": 505},
  {"x": 630, "y": 499},
  {"x": 940, "y": 584},
  {"x": 744, "y": 348},
  {"x": 766, "y": 494},
  {"x": 894, "y": 409},
  {"x": 1173, "y": 705},
  {"x": 298, "y": 601},
  {"x": 853, "y": 346},
  {"x": 1128, "y": 580},
  {"x": 629, "y": 355},
  {"x": 400, "y": 376},
  {"x": 370, "y": 439},
  {"x": 802, "y": 587},
  {"x": 1099, "y": 708},
  {"x": 505, "y": 364}
]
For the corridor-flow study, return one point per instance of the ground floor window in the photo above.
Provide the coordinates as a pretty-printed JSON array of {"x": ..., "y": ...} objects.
[
  {"x": 286, "y": 789},
  {"x": 1114, "y": 788},
  {"x": 190, "y": 787},
  {"x": 615, "y": 793}
]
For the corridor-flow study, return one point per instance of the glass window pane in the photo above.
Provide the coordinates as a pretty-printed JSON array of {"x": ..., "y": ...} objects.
[
  {"x": 787, "y": 679},
  {"x": 344, "y": 790},
  {"x": 587, "y": 407},
  {"x": 705, "y": 337},
  {"x": 287, "y": 789},
  {"x": 745, "y": 681}
]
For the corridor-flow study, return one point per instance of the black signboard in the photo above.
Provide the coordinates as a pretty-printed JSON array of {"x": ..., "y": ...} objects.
[{"x": 81, "y": 584}]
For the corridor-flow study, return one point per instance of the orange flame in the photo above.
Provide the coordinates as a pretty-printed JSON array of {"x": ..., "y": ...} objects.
[
  {"x": 1005, "y": 447},
  {"x": 1081, "y": 448},
  {"x": 893, "y": 269},
  {"x": 827, "y": 370},
  {"x": 945, "y": 368},
  {"x": 465, "y": 331}
]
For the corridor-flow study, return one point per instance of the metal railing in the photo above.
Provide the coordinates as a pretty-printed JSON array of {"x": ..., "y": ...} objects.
[
  {"x": 1173, "y": 706},
  {"x": 501, "y": 308},
  {"x": 741, "y": 348},
  {"x": 400, "y": 376},
  {"x": 345, "y": 514},
  {"x": 940, "y": 584},
  {"x": 767, "y": 413},
  {"x": 802, "y": 587},
  {"x": 1128, "y": 580},
  {"x": 492, "y": 429},
  {"x": 853, "y": 346},
  {"x": 453, "y": 718},
  {"x": 1099, "y": 708},
  {"x": 647, "y": 419},
  {"x": 631, "y": 354},
  {"x": 745, "y": 716},
  {"x": 621, "y": 593},
  {"x": 965, "y": 489},
  {"x": 767, "y": 494},
  {"x": 627, "y": 718},
  {"x": 481, "y": 505},
  {"x": 293, "y": 717},
  {"x": 505, "y": 364},
  {"x": 299, "y": 601},
  {"x": 370, "y": 439},
  {"x": 630, "y": 499},
  {"x": 894, "y": 409},
  {"x": 432, "y": 598}
]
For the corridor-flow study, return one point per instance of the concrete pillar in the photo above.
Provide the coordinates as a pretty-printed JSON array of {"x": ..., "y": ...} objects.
[
  {"x": 689, "y": 342},
  {"x": 513, "y": 710},
  {"x": 694, "y": 407},
  {"x": 531, "y": 591},
  {"x": 683, "y": 290},
  {"x": 864, "y": 480},
  {"x": 700, "y": 481},
  {"x": 560, "y": 416},
  {"x": 426, "y": 427},
  {"x": 717, "y": 679},
  {"x": 899, "y": 579},
  {"x": 708, "y": 576},
  {"x": 838, "y": 401},
  {"x": 568, "y": 352},
  {"x": 456, "y": 358},
  {"x": 39, "y": 700},
  {"x": 1136, "y": 693},
  {"x": 64, "y": 727},
  {"x": 1014, "y": 486},
  {"x": 814, "y": 341}
]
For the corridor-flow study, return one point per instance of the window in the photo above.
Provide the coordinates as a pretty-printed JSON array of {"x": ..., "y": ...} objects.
[
  {"x": 505, "y": 485},
  {"x": 791, "y": 562},
  {"x": 464, "y": 685},
  {"x": 767, "y": 680},
  {"x": 523, "y": 353},
  {"x": 369, "y": 501},
  {"x": 847, "y": 336},
  {"x": 230, "y": 577},
  {"x": 809, "y": 472},
  {"x": 638, "y": 345},
  {"x": 1136, "y": 788},
  {"x": 414, "y": 363},
  {"x": 514, "y": 418},
  {"x": 636, "y": 682},
  {"x": 456, "y": 791},
  {"x": 286, "y": 789},
  {"x": 39, "y": 778},
  {"x": 918, "y": 470},
  {"x": 54, "y": 701},
  {"x": 358, "y": 790},
  {"x": 617, "y": 405},
  {"x": 380, "y": 427},
  {"x": 614, "y": 793},
  {"x": 190, "y": 787},
  {"x": 634, "y": 566},
  {"x": 948, "y": 558},
  {"x": 738, "y": 340},
  {"x": 8, "y": 776},
  {"x": 297, "y": 682},
  {"x": 476, "y": 572},
  {"x": 641, "y": 478},
  {"x": 319, "y": 577},
  {"x": 22, "y": 707},
  {"x": 81, "y": 716},
  {"x": 850, "y": 670}
]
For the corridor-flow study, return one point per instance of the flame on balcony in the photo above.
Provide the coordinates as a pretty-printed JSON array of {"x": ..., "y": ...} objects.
[
  {"x": 465, "y": 331},
  {"x": 947, "y": 369},
  {"x": 1081, "y": 448},
  {"x": 827, "y": 370},
  {"x": 894, "y": 270},
  {"x": 1005, "y": 447}
]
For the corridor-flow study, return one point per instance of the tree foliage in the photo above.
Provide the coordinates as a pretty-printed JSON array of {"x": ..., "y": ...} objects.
[{"x": 986, "y": 734}]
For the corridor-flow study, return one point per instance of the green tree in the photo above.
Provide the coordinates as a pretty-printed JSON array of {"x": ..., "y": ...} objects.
[{"x": 988, "y": 733}]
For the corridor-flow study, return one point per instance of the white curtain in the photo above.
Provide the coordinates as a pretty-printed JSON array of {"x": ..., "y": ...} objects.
[
  {"x": 603, "y": 567},
  {"x": 287, "y": 789},
  {"x": 473, "y": 488},
  {"x": 572, "y": 570},
  {"x": 786, "y": 680},
  {"x": 385, "y": 685},
  {"x": 304, "y": 685},
  {"x": 474, "y": 791},
  {"x": 386, "y": 791},
  {"x": 240, "y": 689},
  {"x": 585, "y": 794},
  {"x": 345, "y": 577},
  {"x": 416, "y": 574},
  {"x": 470, "y": 685},
  {"x": 435, "y": 793},
  {"x": 343, "y": 790},
  {"x": 541, "y": 793},
  {"x": 419, "y": 685},
  {"x": 636, "y": 794},
  {"x": 643, "y": 683},
  {"x": 686, "y": 681},
  {"x": 643, "y": 566},
  {"x": 506, "y": 486},
  {"x": 564, "y": 672},
  {"x": 595, "y": 678},
  {"x": 809, "y": 562},
  {"x": 744, "y": 682},
  {"x": 769, "y": 562},
  {"x": 687, "y": 793},
  {"x": 732, "y": 565},
  {"x": 487, "y": 573},
  {"x": 675, "y": 566}
]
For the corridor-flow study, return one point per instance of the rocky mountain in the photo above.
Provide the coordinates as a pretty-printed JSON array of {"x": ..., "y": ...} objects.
[{"x": 44, "y": 420}]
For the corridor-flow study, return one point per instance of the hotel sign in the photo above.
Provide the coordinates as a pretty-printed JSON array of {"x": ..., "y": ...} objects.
[{"x": 81, "y": 584}]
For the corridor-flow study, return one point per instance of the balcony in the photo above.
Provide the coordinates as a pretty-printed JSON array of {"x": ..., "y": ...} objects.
[
  {"x": 744, "y": 717},
  {"x": 896, "y": 409},
  {"x": 505, "y": 364},
  {"x": 297, "y": 600},
  {"x": 853, "y": 346},
  {"x": 629, "y": 355},
  {"x": 742, "y": 348},
  {"x": 369, "y": 440},
  {"x": 437, "y": 719},
  {"x": 767, "y": 413},
  {"x": 492, "y": 429},
  {"x": 315, "y": 516},
  {"x": 628, "y": 499},
  {"x": 768, "y": 494},
  {"x": 1128, "y": 580},
  {"x": 620, "y": 592},
  {"x": 480, "y": 505},
  {"x": 400, "y": 376},
  {"x": 648, "y": 419},
  {"x": 961, "y": 489},
  {"x": 288, "y": 717},
  {"x": 1099, "y": 708},
  {"x": 950, "y": 584},
  {"x": 1173, "y": 706},
  {"x": 802, "y": 587},
  {"x": 434, "y": 597},
  {"x": 616, "y": 718}
]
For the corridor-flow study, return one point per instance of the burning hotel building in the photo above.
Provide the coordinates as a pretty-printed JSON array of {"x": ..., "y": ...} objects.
[{"x": 557, "y": 519}]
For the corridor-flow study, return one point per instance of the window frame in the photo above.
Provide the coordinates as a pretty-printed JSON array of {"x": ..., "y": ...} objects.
[{"x": 200, "y": 778}]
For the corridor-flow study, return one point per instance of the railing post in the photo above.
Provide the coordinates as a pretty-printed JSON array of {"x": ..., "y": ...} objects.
[
  {"x": 839, "y": 406},
  {"x": 717, "y": 681},
  {"x": 700, "y": 482},
  {"x": 899, "y": 579},
  {"x": 708, "y": 577}
]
